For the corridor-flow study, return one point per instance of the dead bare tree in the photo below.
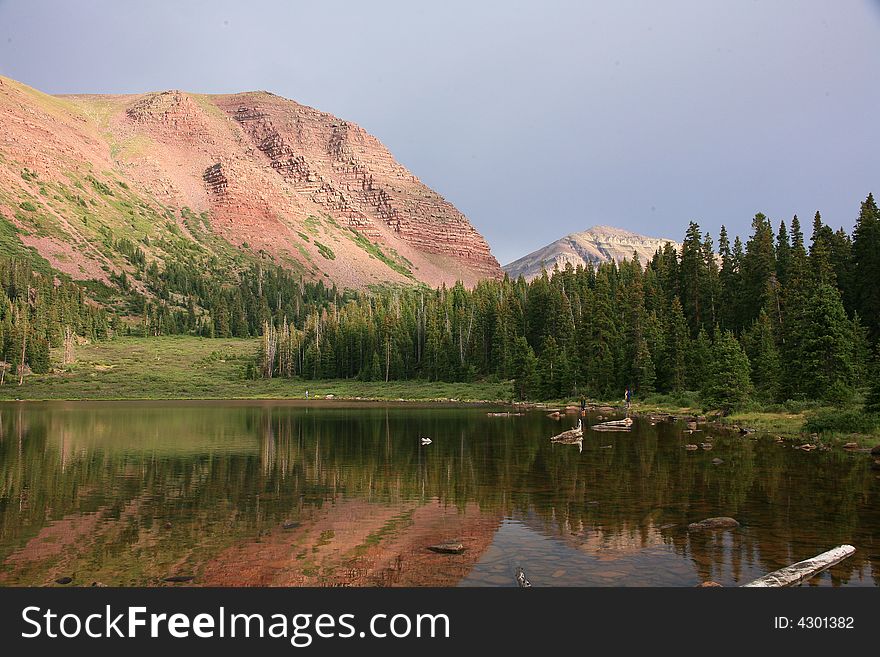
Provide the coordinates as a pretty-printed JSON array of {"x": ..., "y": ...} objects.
[{"x": 68, "y": 346}]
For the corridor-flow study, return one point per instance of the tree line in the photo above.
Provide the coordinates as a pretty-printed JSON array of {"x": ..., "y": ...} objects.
[
  {"x": 771, "y": 319},
  {"x": 38, "y": 311},
  {"x": 775, "y": 318}
]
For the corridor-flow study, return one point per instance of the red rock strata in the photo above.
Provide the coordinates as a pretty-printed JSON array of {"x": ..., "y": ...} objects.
[{"x": 272, "y": 175}]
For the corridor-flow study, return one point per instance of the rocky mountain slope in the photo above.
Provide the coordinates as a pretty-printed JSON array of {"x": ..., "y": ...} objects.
[
  {"x": 598, "y": 244},
  {"x": 85, "y": 179}
]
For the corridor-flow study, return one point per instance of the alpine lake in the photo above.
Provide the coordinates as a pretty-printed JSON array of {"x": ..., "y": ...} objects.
[{"x": 345, "y": 494}]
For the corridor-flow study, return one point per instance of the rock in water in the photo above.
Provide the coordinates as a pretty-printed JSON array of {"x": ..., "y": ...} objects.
[
  {"x": 708, "y": 584},
  {"x": 717, "y": 461},
  {"x": 290, "y": 525},
  {"x": 721, "y": 522},
  {"x": 447, "y": 548},
  {"x": 64, "y": 580},
  {"x": 179, "y": 578},
  {"x": 875, "y": 450}
]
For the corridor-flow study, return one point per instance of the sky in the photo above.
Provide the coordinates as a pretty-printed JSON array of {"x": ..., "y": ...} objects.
[{"x": 536, "y": 119}]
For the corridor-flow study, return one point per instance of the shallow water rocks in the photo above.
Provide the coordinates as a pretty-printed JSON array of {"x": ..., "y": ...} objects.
[
  {"x": 691, "y": 448},
  {"x": 717, "y": 461},
  {"x": 875, "y": 450},
  {"x": 851, "y": 446},
  {"x": 452, "y": 547},
  {"x": 290, "y": 524},
  {"x": 708, "y": 584},
  {"x": 720, "y": 522}
]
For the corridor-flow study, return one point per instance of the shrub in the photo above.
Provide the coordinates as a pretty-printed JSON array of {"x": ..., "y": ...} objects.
[
  {"x": 842, "y": 421},
  {"x": 27, "y": 205}
]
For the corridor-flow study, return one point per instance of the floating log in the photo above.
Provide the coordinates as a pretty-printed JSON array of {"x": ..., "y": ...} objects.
[
  {"x": 803, "y": 570},
  {"x": 521, "y": 579},
  {"x": 571, "y": 436},
  {"x": 614, "y": 425}
]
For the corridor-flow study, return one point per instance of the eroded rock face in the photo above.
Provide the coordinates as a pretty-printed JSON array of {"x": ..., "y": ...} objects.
[
  {"x": 598, "y": 244},
  {"x": 349, "y": 175},
  {"x": 316, "y": 193}
]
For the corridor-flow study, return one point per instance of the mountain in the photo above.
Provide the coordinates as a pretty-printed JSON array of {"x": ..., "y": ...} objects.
[
  {"x": 598, "y": 244},
  {"x": 86, "y": 180}
]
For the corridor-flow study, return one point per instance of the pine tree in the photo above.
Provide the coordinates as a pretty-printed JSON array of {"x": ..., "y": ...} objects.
[
  {"x": 728, "y": 385},
  {"x": 758, "y": 266},
  {"x": 524, "y": 369},
  {"x": 677, "y": 349},
  {"x": 872, "y": 399},
  {"x": 643, "y": 370},
  {"x": 692, "y": 277},
  {"x": 760, "y": 345},
  {"x": 548, "y": 368},
  {"x": 699, "y": 361},
  {"x": 728, "y": 279},
  {"x": 866, "y": 267},
  {"x": 820, "y": 253},
  {"x": 783, "y": 254},
  {"x": 826, "y": 346}
]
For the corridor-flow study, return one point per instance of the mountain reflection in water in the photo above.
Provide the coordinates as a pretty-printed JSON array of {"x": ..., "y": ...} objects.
[{"x": 295, "y": 494}]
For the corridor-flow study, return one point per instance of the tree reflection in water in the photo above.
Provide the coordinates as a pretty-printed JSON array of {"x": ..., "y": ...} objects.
[{"x": 272, "y": 493}]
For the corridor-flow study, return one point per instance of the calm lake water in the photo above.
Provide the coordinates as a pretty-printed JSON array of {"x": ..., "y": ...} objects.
[{"x": 337, "y": 494}]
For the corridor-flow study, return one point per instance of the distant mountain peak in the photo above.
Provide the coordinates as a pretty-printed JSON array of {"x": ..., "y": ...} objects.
[{"x": 596, "y": 244}]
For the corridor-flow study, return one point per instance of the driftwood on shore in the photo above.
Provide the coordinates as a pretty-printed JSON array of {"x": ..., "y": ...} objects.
[{"x": 803, "y": 570}]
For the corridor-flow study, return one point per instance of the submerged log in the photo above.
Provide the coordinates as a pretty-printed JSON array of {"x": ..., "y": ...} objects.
[
  {"x": 804, "y": 570},
  {"x": 452, "y": 547}
]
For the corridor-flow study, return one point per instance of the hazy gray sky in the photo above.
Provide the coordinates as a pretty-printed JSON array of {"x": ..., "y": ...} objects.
[{"x": 536, "y": 119}]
